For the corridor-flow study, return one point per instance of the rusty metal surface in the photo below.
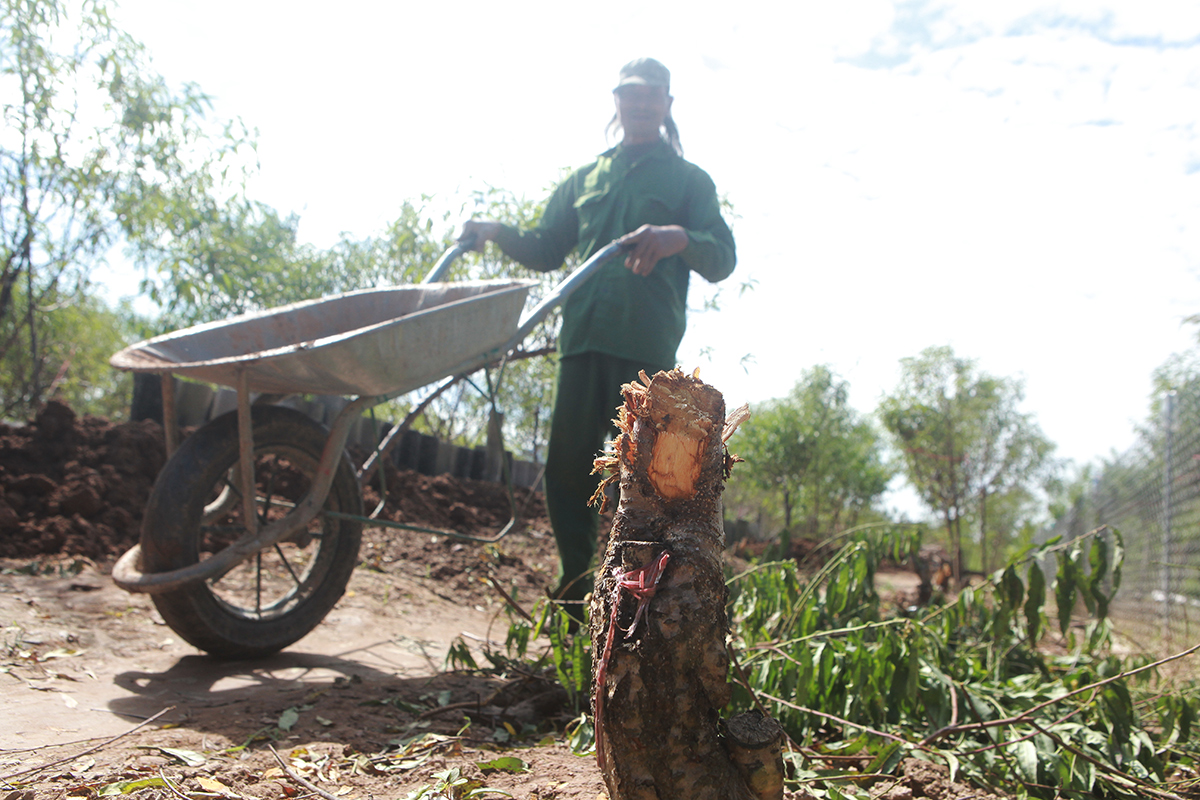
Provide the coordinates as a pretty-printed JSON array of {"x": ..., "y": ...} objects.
[{"x": 371, "y": 342}]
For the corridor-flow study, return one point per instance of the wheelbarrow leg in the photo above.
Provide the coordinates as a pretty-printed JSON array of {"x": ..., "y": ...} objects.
[
  {"x": 246, "y": 455},
  {"x": 170, "y": 418}
]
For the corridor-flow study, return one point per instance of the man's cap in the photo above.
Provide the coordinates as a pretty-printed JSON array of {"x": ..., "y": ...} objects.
[{"x": 644, "y": 72}]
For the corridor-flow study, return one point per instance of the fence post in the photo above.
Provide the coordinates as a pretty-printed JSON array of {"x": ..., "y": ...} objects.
[{"x": 1168, "y": 480}]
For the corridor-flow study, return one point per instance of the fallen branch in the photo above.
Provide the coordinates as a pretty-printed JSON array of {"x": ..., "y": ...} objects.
[
  {"x": 1121, "y": 777},
  {"x": 301, "y": 781},
  {"x": 841, "y": 721},
  {"x": 467, "y": 704},
  {"x": 1001, "y": 745},
  {"x": 509, "y": 601},
  {"x": 100, "y": 746},
  {"x": 1025, "y": 716}
]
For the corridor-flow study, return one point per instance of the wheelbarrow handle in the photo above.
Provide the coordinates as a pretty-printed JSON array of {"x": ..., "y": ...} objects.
[
  {"x": 531, "y": 318},
  {"x": 449, "y": 257},
  {"x": 556, "y": 298}
]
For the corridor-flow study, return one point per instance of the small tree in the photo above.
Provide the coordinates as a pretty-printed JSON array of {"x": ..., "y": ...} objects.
[
  {"x": 821, "y": 458},
  {"x": 963, "y": 440},
  {"x": 1008, "y": 456}
]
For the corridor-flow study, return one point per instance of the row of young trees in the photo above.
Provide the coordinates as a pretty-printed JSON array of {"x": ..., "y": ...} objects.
[{"x": 955, "y": 433}]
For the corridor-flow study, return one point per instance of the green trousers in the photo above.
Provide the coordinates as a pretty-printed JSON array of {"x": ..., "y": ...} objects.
[{"x": 585, "y": 403}]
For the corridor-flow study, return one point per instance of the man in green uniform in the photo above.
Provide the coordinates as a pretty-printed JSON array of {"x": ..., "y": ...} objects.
[{"x": 631, "y": 315}]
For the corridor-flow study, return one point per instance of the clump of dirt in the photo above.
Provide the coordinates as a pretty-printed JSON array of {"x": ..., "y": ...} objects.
[
  {"x": 920, "y": 778},
  {"x": 522, "y": 560},
  {"x": 75, "y": 485},
  {"x": 457, "y": 504}
]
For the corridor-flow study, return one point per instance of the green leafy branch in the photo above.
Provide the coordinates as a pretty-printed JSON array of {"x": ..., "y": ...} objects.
[{"x": 821, "y": 654}]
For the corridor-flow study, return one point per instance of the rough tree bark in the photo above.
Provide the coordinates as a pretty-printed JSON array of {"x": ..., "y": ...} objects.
[{"x": 658, "y": 620}]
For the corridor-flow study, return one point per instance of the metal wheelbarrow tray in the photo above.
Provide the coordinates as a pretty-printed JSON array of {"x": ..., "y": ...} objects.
[
  {"x": 253, "y": 526},
  {"x": 370, "y": 342}
]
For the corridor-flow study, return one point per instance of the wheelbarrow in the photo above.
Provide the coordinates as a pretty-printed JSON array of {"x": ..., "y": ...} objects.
[{"x": 253, "y": 526}]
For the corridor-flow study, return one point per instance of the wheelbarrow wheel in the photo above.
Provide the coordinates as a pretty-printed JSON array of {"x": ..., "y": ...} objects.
[{"x": 195, "y": 510}]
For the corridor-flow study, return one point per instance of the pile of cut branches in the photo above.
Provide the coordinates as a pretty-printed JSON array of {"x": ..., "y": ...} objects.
[{"x": 977, "y": 684}]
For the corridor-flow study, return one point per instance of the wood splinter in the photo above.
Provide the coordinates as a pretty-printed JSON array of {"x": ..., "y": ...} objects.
[{"x": 658, "y": 620}]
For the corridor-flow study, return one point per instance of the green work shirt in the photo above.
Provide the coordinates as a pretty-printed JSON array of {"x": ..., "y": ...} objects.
[{"x": 617, "y": 312}]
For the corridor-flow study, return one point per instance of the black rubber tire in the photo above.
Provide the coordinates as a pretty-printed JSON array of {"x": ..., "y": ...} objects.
[{"x": 226, "y": 617}]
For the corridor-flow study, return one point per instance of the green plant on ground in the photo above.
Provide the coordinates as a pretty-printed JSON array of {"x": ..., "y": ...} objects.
[
  {"x": 976, "y": 684},
  {"x": 450, "y": 784},
  {"x": 543, "y": 641}
]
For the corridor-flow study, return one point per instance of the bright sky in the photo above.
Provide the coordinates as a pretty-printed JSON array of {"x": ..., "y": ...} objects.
[{"x": 1017, "y": 179}]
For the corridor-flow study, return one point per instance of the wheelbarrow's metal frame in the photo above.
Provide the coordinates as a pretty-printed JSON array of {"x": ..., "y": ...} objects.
[{"x": 127, "y": 571}]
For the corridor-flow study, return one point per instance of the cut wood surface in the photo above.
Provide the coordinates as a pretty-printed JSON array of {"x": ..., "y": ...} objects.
[{"x": 658, "y": 618}]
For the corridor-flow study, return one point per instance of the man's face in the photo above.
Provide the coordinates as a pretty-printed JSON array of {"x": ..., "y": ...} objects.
[{"x": 641, "y": 111}]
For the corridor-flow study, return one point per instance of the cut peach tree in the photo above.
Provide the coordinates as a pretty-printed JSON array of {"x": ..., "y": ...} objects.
[{"x": 658, "y": 619}]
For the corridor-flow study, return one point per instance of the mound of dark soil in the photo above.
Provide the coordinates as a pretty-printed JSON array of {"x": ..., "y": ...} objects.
[{"x": 76, "y": 486}]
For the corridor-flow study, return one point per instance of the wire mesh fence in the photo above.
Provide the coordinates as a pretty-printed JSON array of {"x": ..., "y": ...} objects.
[{"x": 1151, "y": 495}]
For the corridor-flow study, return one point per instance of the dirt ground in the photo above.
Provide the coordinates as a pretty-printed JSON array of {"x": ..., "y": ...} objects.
[{"x": 99, "y": 696}]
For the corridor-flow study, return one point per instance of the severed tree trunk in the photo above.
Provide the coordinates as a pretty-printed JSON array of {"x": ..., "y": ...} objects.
[{"x": 658, "y": 619}]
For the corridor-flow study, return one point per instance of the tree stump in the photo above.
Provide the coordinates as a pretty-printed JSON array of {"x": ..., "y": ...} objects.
[{"x": 658, "y": 619}]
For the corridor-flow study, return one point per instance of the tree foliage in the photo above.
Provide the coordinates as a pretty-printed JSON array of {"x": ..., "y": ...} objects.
[
  {"x": 98, "y": 150},
  {"x": 818, "y": 456},
  {"x": 964, "y": 443},
  {"x": 92, "y": 141},
  {"x": 219, "y": 259},
  {"x": 78, "y": 333}
]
